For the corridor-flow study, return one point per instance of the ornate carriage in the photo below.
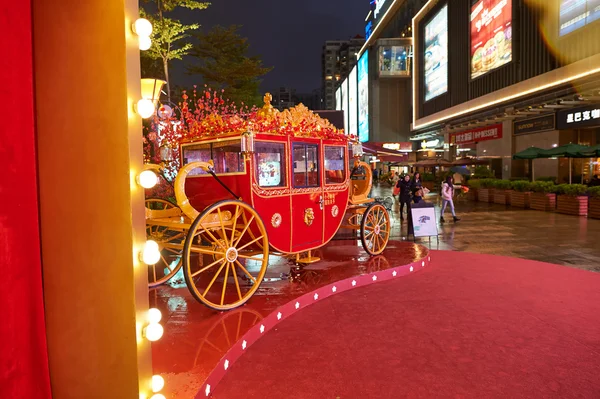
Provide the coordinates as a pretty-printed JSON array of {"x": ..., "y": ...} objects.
[{"x": 284, "y": 184}]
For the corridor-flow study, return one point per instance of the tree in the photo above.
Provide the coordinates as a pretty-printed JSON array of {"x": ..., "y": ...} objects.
[
  {"x": 168, "y": 34},
  {"x": 225, "y": 65}
]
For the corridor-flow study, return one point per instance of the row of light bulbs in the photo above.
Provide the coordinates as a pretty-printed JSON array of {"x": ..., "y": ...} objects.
[{"x": 143, "y": 29}]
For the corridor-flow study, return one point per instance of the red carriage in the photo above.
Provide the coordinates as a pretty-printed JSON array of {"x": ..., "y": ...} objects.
[{"x": 244, "y": 195}]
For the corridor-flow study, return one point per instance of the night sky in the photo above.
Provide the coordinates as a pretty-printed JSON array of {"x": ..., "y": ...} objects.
[{"x": 287, "y": 35}]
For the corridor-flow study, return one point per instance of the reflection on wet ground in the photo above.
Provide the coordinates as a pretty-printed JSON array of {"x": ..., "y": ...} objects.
[
  {"x": 503, "y": 230},
  {"x": 196, "y": 337}
]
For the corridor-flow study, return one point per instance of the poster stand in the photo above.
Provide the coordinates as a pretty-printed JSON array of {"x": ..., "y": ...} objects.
[{"x": 422, "y": 221}]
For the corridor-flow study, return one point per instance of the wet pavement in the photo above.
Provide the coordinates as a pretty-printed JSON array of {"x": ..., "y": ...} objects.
[{"x": 503, "y": 230}]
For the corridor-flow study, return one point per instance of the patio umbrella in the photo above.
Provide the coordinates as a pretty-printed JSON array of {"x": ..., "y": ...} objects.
[
  {"x": 591, "y": 152},
  {"x": 570, "y": 151},
  {"x": 469, "y": 161},
  {"x": 461, "y": 169},
  {"x": 529, "y": 153}
]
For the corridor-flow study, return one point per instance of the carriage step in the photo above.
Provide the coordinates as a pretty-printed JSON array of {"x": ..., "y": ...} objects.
[{"x": 308, "y": 259}]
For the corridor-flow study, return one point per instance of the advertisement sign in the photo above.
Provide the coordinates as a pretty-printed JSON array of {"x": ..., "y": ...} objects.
[
  {"x": 575, "y": 14},
  {"x": 338, "y": 99},
  {"x": 436, "y": 55},
  {"x": 424, "y": 222},
  {"x": 405, "y": 146},
  {"x": 352, "y": 103},
  {"x": 579, "y": 117},
  {"x": 491, "y": 35},
  {"x": 395, "y": 60},
  {"x": 476, "y": 135},
  {"x": 534, "y": 125},
  {"x": 363, "y": 97},
  {"x": 345, "y": 104}
]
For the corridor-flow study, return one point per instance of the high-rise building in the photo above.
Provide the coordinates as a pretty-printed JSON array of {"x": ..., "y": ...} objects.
[
  {"x": 284, "y": 98},
  {"x": 338, "y": 59}
]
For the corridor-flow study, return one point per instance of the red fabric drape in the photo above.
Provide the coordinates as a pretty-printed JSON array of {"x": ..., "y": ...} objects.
[{"x": 23, "y": 355}]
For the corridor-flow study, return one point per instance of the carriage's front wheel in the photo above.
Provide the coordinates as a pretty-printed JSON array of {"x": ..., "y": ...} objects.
[
  {"x": 375, "y": 229},
  {"x": 226, "y": 254}
]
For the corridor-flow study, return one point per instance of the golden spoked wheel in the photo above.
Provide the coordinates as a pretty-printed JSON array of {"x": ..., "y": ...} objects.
[
  {"x": 226, "y": 254},
  {"x": 170, "y": 243},
  {"x": 375, "y": 229}
]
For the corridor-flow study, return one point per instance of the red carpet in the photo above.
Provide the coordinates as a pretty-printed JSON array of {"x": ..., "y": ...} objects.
[{"x": 469, "y": 326}]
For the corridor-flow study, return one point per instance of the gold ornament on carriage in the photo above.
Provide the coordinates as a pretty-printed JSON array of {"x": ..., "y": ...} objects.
[
  {"x": 335, "y": 211},
  {"x": 309, "y": 216}
]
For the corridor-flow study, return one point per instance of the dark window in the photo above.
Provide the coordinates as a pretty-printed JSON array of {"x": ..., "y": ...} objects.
[{"x": 306, "y": 165}]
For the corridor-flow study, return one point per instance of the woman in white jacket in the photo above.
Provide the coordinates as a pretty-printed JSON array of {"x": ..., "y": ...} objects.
[{"x": 447, "y": 194}]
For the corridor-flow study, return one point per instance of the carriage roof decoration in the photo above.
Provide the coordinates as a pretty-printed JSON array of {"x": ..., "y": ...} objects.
[{"x": 289, "y": 195}]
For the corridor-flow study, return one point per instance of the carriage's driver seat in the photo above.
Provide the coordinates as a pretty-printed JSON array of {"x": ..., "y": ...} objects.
[{"x": 361, "y": 181}]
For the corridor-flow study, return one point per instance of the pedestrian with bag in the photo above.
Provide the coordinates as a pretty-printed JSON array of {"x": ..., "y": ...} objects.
[
  {"x": 417, "y": 188},
  {"x": 447, "y": 199},
  {"x": 404, "y": 189}
]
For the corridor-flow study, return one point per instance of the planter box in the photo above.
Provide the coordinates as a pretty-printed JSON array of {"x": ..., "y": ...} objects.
[
  {"x": 485, "y": 194},
  {"x": 502, "y": 197},
  {"x": 594, "y": 211},
  {"x": 519, "y": 199},
  {"x": 572, "y": 205},
  {"x": 543, "y": 202},
  {"x": 472, "y": 194}
]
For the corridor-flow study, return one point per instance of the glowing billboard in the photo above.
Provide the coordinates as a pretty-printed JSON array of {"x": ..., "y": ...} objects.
[
  {"x": 436, "y": 55},
  {"x": 352, "y": 103},
  {"x": 344, "y": 96},
  {"x": 363, "y": 97}
]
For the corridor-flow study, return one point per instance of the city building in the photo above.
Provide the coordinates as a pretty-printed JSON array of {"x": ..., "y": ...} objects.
[
  {"x": 283, "y": 98},
  {"x": 524, "y": 75},
  {"x": 338, "y": 58}
]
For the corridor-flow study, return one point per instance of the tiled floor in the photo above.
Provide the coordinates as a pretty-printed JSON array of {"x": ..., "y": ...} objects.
[{"x": 503, "y": 230}]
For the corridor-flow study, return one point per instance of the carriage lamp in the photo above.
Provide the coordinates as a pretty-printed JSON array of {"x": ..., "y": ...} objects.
[
  {"x": 166, "y": 153},
  {"x": 157, "y": 383},
  {"x": 147, "y": 179},
  {"x": 153, "y": 332},
  {"x": 151, "y": 253},
  {"x": 143, "y": 28},
  {"x": 357, "y": 149},
  {"x": 145, "y": 108},
  {"x": 154, "y": 315},
  {"x": 247, "y": 144}
]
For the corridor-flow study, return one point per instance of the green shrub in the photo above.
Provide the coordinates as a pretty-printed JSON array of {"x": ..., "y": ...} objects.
[
  {"x": 502, "y": 184},
  {"x": 594, "y": 191},
  {"x": 571, "y": 189},
  {"x": 543, "y": 187},
  {"x": 518, "y": 178},
  {"x": 427, "y": 177},
  {"x": 475, "y": 183},
  {"x": 487, "y": 183},
  {"x": 482, "y": 172},
  {"x": 521, "y": 186},
  {"x": 546, "y": 178}
]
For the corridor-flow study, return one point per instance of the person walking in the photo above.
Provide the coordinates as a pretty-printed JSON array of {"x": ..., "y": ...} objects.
[
  {"x": 417, "y": 188},
  {"x": 447, "y": 195},
  {"x": 405, "y": 187}
]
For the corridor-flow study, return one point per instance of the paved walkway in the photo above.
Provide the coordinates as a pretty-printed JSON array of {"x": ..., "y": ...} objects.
[{"x": 504, "y": 230}]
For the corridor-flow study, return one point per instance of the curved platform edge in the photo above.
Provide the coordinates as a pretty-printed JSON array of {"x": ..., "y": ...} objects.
[{"x": 296, "y": 305}]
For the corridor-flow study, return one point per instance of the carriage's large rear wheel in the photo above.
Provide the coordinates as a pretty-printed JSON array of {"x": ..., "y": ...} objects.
[
  {"x": 375, "y": 229},
  {"x": 170, "y": 243},
  {"x": 226, "y": 254}
]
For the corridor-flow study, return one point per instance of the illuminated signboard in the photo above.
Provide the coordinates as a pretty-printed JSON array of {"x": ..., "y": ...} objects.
[
  {"x": 363, "y": 97},
  {"x": 338, "y": 99},
  {"x": 474, "y": 136},
  {"x": 436, "y": 55},
  {"x": 352, "y": 103},
  {"x": 379, "y": 4},
  {"x": 575, "y": 14},
  {"x": 579, "y": 117},
  {"x": 491, "y": 35},
  {"x": 345, "y": 104}
]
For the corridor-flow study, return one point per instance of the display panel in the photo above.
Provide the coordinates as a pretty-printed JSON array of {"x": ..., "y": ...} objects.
[
  {"x": 394, "y": 60},
  {"x": 352, "y": 103},
  {"x": 436, "y": 55},
  {"x": 270, "y": 161},
  {"x": 363, "y": 97},
  {"x": 335, "y": 165},
  {"x": 338, "y": 99},
  {"x": 345, "y": 104},
  {"x": 491, "y": 35},
  {"x": 575, "y": 14}
]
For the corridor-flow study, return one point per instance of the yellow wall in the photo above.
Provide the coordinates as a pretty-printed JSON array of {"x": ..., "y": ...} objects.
[{"x": 88, "y": 137}]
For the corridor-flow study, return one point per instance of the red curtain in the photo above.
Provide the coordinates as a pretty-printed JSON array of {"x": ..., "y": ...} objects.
[{"x": 23, "y": 355}]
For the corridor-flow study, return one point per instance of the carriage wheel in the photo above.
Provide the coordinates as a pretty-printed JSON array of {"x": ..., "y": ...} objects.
[
  {"x": 226, "y": 273},
  {"x": 375, "y": 229},
  {"x": 170, "y": 258}
]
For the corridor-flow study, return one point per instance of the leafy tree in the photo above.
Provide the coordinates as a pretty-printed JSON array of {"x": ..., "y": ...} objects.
[
  {"x": 225, "y": 65},
  {"x": 167, "y": 35}
]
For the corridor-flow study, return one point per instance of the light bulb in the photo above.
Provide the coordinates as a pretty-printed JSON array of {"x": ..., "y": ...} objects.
[
  {"x": 154, "y": 315},
  {"x": 147, "y": 179},
  {"x": 153, "y": 332},
  {"x": 142, "y": 27},
  {"x": 158, "y": 383},
  {"x": 144, "y": 42},
  {"x": 151, "y": 253},
  {"x": 145, "y": 108},
  {"x": 158, "y": 396}
]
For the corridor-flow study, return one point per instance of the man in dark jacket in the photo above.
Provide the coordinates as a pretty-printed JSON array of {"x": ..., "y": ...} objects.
[{"x": 405, "y": 187}]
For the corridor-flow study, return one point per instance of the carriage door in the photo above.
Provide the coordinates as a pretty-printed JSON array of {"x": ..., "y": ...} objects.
[{"x": 307, "y": 197}]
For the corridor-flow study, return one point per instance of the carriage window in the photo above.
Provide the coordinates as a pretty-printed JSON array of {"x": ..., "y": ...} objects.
[
  {"x": 225, "y": 154},
  {"x": 335, "y": 165},
  {"x": 270, "y": 162},
  {"x": 306, "y": 165}
]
